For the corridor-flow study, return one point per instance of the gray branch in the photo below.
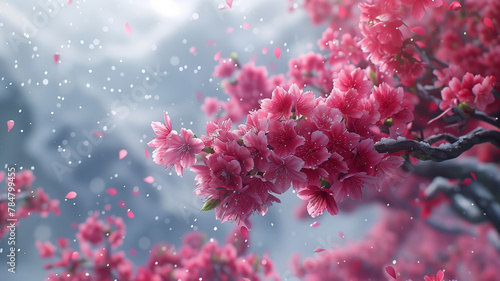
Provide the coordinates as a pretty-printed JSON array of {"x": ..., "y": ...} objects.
[{"x": 424, "y": 151}]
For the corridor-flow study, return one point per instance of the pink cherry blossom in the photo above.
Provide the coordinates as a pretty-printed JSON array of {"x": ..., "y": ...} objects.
[
  {"x": 351, "y": 186},
  {"x": 182, "y": 149},
  {"x": 283, "y": 138},
  {"x": 280, "y": 105},
  {"x": 319, "y": 200},
  {"x": 282, "y": 171}
]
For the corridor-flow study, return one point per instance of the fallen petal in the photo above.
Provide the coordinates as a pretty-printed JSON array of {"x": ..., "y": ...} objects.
[
  {"x": 390, "y": 270},
  {"x": 70, "y": 195},
  {"x": 277, "y": 52},
  {"x": 130, "y": 214},
  {"x": 10, "y": 124},
  {"x": 487, "y": 21},
  {"x": 217, "y": 56},
  {"x": 111, "y": 191},
  {"x": 128, "y": 29},
  {"x": 122, "y": 154},
  {"x": 149, "y": 179}
]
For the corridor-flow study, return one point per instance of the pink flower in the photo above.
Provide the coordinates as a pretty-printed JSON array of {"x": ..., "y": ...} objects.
[
  {"x": 279, "y": 106},
  {"x": 347, "y": 102},
  {"x": 303, "y": 103},
  {"x": 92, "y": 230},
  {"x": 283, "y": 138},
  {"x": 218, "y": 130},
  {"x": 483, "y": 93},
  {"x": 46, "y": 249},
  {"x": 355, "y": 80},
  {"x": 351, "y": 185},
  {"x": 365, "y": 158},
  {"x": 225, "y": 172},
  {"x": 325, "y": 117},
  {"x": 182, "y": 149},
  {"x": 225, "y": 68},
  {"x": 162, "y": 132},
  {"x": 314, "y": 151},
  {"x": 282, "y": 171},
  {"x": 257, "y": 145},
  {"x": 319, "y": 199},
  {"x": 420, "y": 6},
  {"x": 335, "y": 166},
  {"x": 389, "y": 99},
  {"x": 473, "y": 90},
  {"x": 211, "y": 106},
  {"x": 439, "y": 276}
]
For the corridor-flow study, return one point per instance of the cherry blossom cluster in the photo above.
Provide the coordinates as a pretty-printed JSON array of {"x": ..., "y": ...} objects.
[
  {"x": 197, "y": 259},
  {"x": 250, "y": 84},
  {"x": 27, "y": 200},
  {"x": 405, "y": 249},
  {"x": 323, "y": 147}
]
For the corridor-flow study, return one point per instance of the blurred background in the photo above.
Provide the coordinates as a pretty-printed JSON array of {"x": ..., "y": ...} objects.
[{"x": 71, "y": 71}]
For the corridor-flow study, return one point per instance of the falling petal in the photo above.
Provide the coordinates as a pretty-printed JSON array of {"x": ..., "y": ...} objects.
[
  {"x": 149, "y": 179},
  {"x": 473, "y": 176},
  {"x": 229, "y": 3},
  {"x": 318, "y": 250},
  {"x": 98, "y": 134},
  {"x": 244, "y": 231},
  {"x": 418, "y": 30},
  {"x": 107, "y": 207},
  {"x": 193, "y": 50},
  {"x": 217, "y": 56},
  {"x": 121, "y": 203},
  {"x": 246, "y": 26},
  {"x": 199, "y": 96},
  {"x": 210, "y": 43},
  {"x": 466, "y": 181},
  {"x": 128, "y": 29},
  {"x": 10, "y": 124},
  {"x": 111, "y": 191},
  {"x": 315, "y": 224},
  {"x": 122, "y": 154},
  {"x": 229, "y": 30},
  {"x": 487, "y": 21},
  {"x": 133, "y": 252},
  {"x": 146, "y": 152},
  {"x": 75, "y": 256},
  {"x": 341, "y": 234},
  {"x": 56, "y": 58},
  {"x": 130, "y": 214},
  {"x": 69, "y": 2},
  {"x": 390, "y": 270},
  {"x": 264, "y": 50},
  {"x": 277, "y": 52},
  {"x": 455, "y": 6},
  {"x": 70, "y": 195}
]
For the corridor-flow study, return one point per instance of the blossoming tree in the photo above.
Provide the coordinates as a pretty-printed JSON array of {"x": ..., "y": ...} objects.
[
  {"x": 400, "y": 89},
  {"x": 398, "y": 108}
]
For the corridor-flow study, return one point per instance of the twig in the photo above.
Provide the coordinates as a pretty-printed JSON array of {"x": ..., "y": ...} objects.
[
  {"x": 486, "y": 118},
  {"x": 443, "y": 152}
]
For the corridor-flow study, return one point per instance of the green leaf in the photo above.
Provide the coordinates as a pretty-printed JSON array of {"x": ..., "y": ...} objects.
[{"x": 210, "y": 205}]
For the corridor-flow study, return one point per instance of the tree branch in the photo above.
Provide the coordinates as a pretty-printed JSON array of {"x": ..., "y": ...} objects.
[{"x": 423, "y": 150}]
